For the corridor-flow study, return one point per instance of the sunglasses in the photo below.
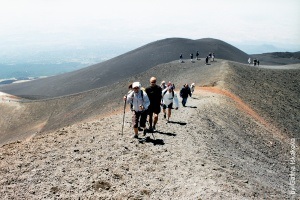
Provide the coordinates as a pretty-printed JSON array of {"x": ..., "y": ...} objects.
[
  {"x": 153, "y": 82},
  {"x": 135, "y": 88}
]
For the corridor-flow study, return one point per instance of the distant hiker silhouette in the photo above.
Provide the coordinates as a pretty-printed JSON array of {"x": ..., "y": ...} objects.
[
  {"x": 180, "y": 58},
  {"x": 197, "y": 55},
  {"x": 140, "y": 103},
  {"x": 154, "y": 95},
  {"x": 206, "y": 60},
  {"x": 185, "y": 92},
  {"x": 192, "y": 57},
  {"x": 212, "y": 57},
  {"x": 249, "y": 61},
  {"x": 254, "y": 61},
  {"x": 192, "y": 88},
  {"x": 169, "y": 97}
]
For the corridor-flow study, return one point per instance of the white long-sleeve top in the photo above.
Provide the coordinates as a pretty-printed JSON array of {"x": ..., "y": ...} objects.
[
  {"x": 168, "y": 98},
  {"x": 136, "y": 99}
]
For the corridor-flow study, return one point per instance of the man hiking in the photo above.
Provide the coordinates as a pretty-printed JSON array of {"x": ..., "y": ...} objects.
[
  {"x": 197, "y": 55},
  {"x": 140, "y": 103},
  {"x": 154, "y": 94},
  {"x": 185, "y": 92},
  {"x": 169, "y": 98}
]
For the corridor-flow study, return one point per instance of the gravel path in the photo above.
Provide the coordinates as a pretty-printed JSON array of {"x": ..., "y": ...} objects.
[{"x": 206, "y": 152}]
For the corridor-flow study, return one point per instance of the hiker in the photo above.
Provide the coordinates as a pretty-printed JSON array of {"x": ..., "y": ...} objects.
[
  {"x": 163, "y": 85},
  {"x": 206, "y": 60},
  {"x": 154, "y": 95},
  {"x": 192, "y": 56},
  {"x": 254, "y": 62},
  {"x": 257, "y": 62},
  {"x": 171, "y": 84},
  {"x": 185, "y": 92},
  {"x": 192, "y": 88},
  {"x": 212, "y": 57},
  {"x": 140, "y": 103},
  {"x": 249, "y": 61},
  {"x": 169, "y": 97},
  {"x": 180, "y": 58},
  {"x": 197, "y": 55}
]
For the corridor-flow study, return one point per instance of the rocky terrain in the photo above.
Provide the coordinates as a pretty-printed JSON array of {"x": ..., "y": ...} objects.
[{"x": 232, "y": 141}]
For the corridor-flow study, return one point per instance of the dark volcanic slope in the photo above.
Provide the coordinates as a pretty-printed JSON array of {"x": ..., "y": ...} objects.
[
  {"x": 278, "y": 58},
  {"x": 123, "y": 66}
]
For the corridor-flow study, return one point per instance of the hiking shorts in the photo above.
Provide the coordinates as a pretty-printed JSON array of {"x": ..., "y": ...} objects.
[
  {"x": 153, "y": 109},
  {"x": 139, "y": 117},
  {"x": 169, "y": 106}
]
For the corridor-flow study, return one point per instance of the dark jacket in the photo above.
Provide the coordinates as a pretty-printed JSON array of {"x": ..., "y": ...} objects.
[{"x": 185, "y": 92}]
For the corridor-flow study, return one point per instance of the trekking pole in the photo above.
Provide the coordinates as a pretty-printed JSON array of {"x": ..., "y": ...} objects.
[{"x": 123, "y": 116}]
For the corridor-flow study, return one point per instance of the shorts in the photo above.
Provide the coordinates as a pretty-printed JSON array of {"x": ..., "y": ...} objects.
[
  {"x": 154, "y": 109},
  {"x": 169, "y": 106},
  {"x": 139, "y": 117}
]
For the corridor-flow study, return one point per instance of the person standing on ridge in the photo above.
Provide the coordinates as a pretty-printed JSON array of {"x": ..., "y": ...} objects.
[
  {"x": 212, "y": 57},
  {"x": 180, "y": 58},
  {"x": 192, "y": 56},
  {"x": 206, "y": 60},
  {"x": 197, "y": 55},
  {"x": 185, "y": 92},
  {"x": 249, "y": 61},
  {"x": 154, "y": 94},
  {"x": 140, "y": 103},
  {"x": 169, "y": 98}
]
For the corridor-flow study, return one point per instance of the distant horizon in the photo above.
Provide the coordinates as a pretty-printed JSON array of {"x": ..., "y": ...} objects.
[{"x": 54, "y": 61}]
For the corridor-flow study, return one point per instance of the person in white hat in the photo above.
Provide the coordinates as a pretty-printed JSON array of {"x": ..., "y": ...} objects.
[{"x": 140, "y": 103}]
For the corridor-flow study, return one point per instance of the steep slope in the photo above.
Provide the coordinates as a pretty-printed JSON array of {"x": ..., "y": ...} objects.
[
  {"x": 211, "y": 149},
  {"x": 122, "y": 67}
]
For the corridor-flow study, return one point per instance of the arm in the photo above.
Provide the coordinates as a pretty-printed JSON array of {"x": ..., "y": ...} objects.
[
  {"x": 146, "y": 102},
  {"x": 129, "y": 97}
]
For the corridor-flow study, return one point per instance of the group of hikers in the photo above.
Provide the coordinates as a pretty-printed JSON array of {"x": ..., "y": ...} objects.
[
  {"x": 210, "y": 56},
  {"x": 255, "y": 61},
  {"x": 148, "y": 102}
]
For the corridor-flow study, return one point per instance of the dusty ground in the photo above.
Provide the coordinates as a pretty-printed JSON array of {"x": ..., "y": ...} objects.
[{"x": 233, "y": 141}]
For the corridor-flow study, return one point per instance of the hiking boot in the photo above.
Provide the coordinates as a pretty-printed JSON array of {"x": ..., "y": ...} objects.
[
  {"x": 165, "y": 116},
  {"x": 144, "y": 132},
  {"x": 154, "y": 129},
  {"x": 135, "y": 136},
  {"x": 150, "y": 130}
]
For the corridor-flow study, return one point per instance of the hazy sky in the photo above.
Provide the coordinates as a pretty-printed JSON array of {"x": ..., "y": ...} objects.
[{"x": 49, "y": 23}]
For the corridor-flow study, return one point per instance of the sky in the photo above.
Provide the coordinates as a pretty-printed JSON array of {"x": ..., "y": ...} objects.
[{"x": 31, "y": 25}]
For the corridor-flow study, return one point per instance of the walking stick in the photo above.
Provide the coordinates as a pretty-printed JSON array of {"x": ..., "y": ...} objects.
[{"x": 123, "y": 116}]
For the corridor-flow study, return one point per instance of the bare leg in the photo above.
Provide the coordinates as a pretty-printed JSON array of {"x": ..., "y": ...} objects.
[
  {"x": 169, "y": 113},
  {"x": 155, "y": 119}
]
